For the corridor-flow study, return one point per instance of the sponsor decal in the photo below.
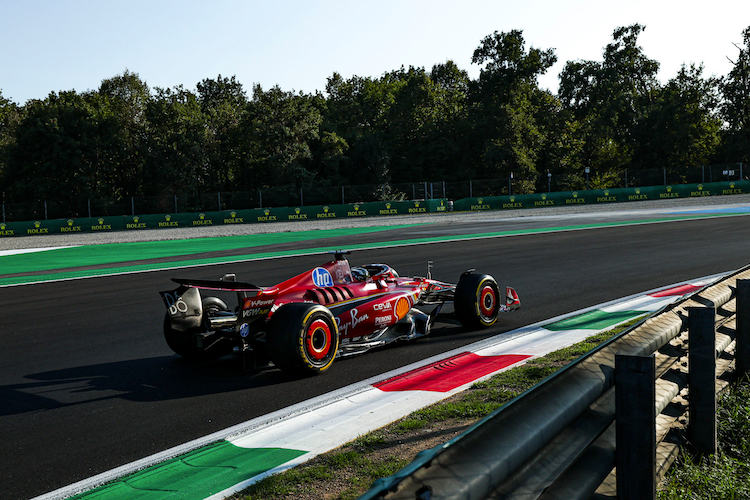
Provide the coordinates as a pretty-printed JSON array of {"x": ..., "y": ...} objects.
[
  {"x": 388, "y": 210},
  {"x": 575, "y": 200},
  {"x": 101, "y": 226},
  {"x": 326, "y": 214},
  {"x": 267, "y": 217},
  {"x": 203, "y": 221},
  {"x": 175, "y": 303},
  {"x": 417, "y": 209},
  {"x": 5, "y": 232},
  {"x": 383, "y": 306},
  {"x": 357, "y": 212},
  {"x": 70, "y": 228},
  {"x": 513, "y": 203},
  {"x": 297, "y": 215},
  {"x": 700, "y": 191},
  {"x": 169, "y": 222},
  {"x": 637, "y": 196},
  {"x": 383, "y": 320},
  {"x": 321, "y": 277},
  {"x": 354, "y": 320},
  {"x": 135, "y": 224},
  {"x": 244, "y": 330},
  {"x": 234, "y": 219},
  {"x": 480, "y": 205},
  {"x": 731, "y": 189},
  {"x": 544, "y": 202}
]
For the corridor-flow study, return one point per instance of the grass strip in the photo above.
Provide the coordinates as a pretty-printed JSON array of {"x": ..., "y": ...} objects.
[
  {"x": 349, "y": 471},
  {"x": 726, "y": 474}
]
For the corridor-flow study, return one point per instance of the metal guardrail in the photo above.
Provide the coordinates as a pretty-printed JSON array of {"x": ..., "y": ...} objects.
[{"x": 624, "y": 403}]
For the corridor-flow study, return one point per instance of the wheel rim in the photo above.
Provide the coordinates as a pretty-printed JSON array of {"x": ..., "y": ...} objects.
[
  {"x": 318, "y": 339},
  {"x": 487, "y": 301}
]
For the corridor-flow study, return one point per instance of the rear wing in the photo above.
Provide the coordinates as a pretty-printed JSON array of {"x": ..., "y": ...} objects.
[{"x": 228, "y": 286}]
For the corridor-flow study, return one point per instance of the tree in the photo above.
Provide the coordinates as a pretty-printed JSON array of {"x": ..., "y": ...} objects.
[
  {"x": 736, "y": 104},
  {"x": 175, "y": 144},
  {"x": 610, "y": 99},
  {"x": 682, "y": 127},
  {"x": 126, "y": 97},
  {"x": 279, "y": 128},
  {"x": 504, "y": 113},
  {"x": 223, "y": 102},
  {"x": 63, "y": 150}
]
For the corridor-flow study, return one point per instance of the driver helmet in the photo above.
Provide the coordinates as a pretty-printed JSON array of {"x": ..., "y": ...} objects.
[{"x": 360, "y": 274}]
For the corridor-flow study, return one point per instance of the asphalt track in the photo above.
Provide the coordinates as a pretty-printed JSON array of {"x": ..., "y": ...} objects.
[{"x": 87, "y": 383}]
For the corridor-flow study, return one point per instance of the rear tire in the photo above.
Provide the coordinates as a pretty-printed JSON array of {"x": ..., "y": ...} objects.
[
  {"x": 302, "y": 339},
  {"x": 477, "y": 300},
  {"x": 184, "y": 344}
]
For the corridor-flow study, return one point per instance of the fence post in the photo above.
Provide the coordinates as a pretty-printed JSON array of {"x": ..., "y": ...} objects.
[
  {"x": 301, "y": 199},
  {"x": 3, "y": 212},
  {"x": 702, "y": 379},
  {"x": 132, "y": 205},
  {"x": 175, "y": 203},
  {"x": 635, "y": 423},
  {"x": 260, "y": 198},
  {"x": 665, "y": 175},
  {"x": 218, "y": 195},
  {"x": 742, "y": 348},
  {"x": 471, "y": 189},
  {"x": 45, "y": 209}
]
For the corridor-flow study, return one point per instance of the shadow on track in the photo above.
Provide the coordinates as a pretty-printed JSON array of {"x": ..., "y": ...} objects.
[{"x": 143, "y": 380}]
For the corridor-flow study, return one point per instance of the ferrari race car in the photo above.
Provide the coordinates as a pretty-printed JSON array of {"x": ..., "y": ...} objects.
[{"x": 334, "y": 310}]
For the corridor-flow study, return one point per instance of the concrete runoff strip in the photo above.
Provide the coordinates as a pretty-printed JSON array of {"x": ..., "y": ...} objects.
[{"x": 223, "y": 463}]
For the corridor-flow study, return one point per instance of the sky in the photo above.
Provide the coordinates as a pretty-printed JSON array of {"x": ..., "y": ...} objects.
[{"x": 58, "y": 45}]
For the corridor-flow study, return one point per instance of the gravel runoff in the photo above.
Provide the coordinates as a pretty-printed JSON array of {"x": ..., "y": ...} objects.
[{"x": 56, "y": 240}]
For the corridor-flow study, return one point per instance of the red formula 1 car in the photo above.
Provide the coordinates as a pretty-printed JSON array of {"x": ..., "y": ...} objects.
[{"x": 302, "y": 324}]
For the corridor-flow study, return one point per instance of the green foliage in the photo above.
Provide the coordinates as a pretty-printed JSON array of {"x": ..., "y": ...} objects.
[{"x": 407, "y": 125}]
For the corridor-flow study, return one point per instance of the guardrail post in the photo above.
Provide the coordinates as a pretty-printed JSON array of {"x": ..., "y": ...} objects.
[
  {"x": 742, "y": 348},
  {"x": 635, "y": 422},
  {"x": 702, "y": 379}
]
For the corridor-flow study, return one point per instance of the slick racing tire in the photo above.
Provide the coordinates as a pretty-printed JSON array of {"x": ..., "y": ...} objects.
[
  {"x": 302, "y": 339},
  {"x": 184, "y": 343},
  {"x": 477, "y": 300}
]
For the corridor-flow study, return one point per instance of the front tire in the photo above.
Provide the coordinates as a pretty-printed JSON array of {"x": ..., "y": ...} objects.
[
  {"x": 477, "y": 300},
  {"x": 302, "y": 338}
]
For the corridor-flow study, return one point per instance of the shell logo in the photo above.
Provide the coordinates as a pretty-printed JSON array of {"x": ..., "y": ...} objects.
[{"x": 402, "y": 308}]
